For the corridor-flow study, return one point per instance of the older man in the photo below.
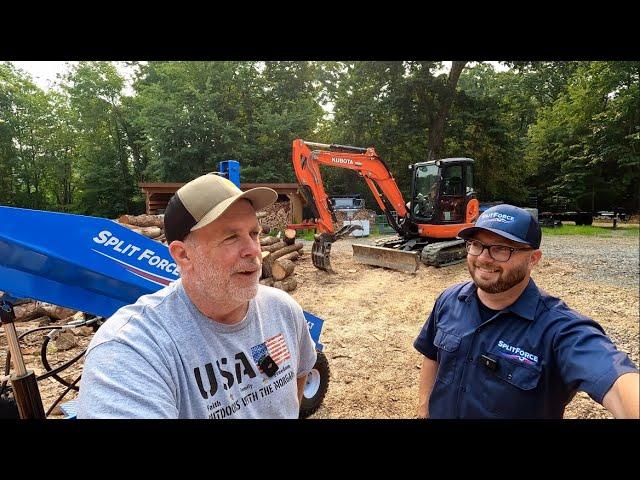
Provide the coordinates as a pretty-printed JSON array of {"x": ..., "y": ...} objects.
[
  {"x": 499, "y": 347},
  {"x": 213, "y": 344}
]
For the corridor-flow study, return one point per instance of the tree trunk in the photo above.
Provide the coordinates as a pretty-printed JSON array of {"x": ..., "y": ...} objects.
[
  {"x": 436, "y": 129},
  {"x": 281, "y": 269}
]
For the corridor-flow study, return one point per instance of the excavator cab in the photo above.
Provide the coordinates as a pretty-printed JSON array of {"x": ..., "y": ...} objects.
[{"x": 441, "y": 190}]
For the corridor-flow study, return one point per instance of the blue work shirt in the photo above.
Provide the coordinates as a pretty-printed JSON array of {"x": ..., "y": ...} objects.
[{"x": 527, "y": 361}]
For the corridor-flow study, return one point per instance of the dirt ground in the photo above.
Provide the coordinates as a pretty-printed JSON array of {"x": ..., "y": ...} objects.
[{"x": 372, "y": 315}]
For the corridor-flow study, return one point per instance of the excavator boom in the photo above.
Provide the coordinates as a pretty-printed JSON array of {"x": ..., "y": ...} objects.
[{"x": 307, "y": 158}]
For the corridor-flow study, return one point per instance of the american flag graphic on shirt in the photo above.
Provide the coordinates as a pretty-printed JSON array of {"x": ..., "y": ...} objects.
[{"x": 275, "y": 347}]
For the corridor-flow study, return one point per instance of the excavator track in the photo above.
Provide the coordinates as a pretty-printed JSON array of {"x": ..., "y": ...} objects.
[{"x": 442, "y": 254}]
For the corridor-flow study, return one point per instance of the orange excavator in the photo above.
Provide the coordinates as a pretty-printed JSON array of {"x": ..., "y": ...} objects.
[{"x": 443, "y": 202}]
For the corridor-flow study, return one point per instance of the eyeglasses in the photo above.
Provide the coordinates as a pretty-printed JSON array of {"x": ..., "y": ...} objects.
[{"x": 500, "y": 253}]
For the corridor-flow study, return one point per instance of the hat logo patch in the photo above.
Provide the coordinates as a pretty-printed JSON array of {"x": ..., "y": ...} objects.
[{"x": 498, "y": 217}]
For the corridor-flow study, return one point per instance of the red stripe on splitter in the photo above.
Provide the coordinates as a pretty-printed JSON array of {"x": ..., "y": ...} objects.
[{"x": 148, "y": 276}]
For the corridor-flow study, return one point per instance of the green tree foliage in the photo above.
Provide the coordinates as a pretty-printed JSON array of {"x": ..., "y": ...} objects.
[
  {"x": 390, "y": 105},
  {"x": 545, "y": 130},
  {"x": 585, "y": 146},
  {"x": 35, "y": 166},
  {"x": 105, "y": 181},
  {"x": 196, "y": 114}
]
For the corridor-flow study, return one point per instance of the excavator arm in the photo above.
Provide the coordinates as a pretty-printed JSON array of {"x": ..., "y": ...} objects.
[
  {"x": 307, "y": 158},
  {"x": 364, "y": 161}
]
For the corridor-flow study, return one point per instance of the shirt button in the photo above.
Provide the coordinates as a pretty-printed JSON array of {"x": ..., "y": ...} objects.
[
  {"x": 469, "y": 359},
  {"x": 509, "y": 376}
]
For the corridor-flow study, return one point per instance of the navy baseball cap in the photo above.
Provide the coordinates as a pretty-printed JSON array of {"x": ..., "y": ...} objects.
[{"x": 509, "y": 222}]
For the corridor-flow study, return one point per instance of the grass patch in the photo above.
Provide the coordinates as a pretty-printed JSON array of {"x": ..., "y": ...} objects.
[
  {"x": 305, "y": 234},
  {"x": 624, "y": 230}
]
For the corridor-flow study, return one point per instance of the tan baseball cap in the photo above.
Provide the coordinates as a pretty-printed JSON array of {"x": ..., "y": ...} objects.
[{"x": 202, "y": 200}]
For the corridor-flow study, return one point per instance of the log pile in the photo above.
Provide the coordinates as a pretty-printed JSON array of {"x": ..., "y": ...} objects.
[
  {"x": 27, "y": 309},
  {"x": 279, "y": 254},
  {"x": 276, "y": 216},
  {"x": 151, "y": 226},
  {"x": 361, "y": 214}
]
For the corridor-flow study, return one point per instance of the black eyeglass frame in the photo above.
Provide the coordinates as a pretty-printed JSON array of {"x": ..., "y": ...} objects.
[{"x": 488, "y": 248}]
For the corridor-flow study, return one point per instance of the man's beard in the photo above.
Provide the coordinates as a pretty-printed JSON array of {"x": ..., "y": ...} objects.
[
  {"x": 211, "y": 280},
  {"x": 504, "y": 281}
]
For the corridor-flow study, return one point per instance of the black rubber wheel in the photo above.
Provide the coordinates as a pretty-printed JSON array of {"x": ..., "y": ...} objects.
[{"x": 316, "y": 387}]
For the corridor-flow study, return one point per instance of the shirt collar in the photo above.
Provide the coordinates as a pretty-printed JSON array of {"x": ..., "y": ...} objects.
[{"x": 525, "y": 306}]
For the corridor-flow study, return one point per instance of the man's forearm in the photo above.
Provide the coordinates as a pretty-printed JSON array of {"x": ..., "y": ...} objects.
[
  {"x": 428, "y": 373},
  {"x": 623, "y": 398}
]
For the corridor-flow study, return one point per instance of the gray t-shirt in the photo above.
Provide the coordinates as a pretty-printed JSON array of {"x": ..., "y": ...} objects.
[{"x": 162, "y": 358}]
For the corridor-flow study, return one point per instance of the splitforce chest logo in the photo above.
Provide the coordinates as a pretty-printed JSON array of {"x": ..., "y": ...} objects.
[{"x": 517, "y": 353}]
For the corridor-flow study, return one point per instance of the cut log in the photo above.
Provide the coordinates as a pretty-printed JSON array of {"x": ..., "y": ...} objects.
[
  {"x": 281, "y": 269},
  {"x": 289, "y": 236},
  {"x": 290, "y": 256},
  {"x": 27, "y": 311},
  {"x": 288, "y": 284},
  {"x": 283, "y": 251},
  {"x": 267, "y": 281},
  {"x": 260, "y": 215},
  {"x": 142, "y": 220},
  {"x": 54, "y": 311},
  {"x": 266, "y": 265},
  {"x": 151, "y": 232},
  {"x": 272, "y": 248},
  {"x": 265, "y": 241}
]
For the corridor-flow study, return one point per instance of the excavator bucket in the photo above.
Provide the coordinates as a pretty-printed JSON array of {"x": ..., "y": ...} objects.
[
  {"x": 403, "y": 260},
  {"x": 320, "y": 252}
]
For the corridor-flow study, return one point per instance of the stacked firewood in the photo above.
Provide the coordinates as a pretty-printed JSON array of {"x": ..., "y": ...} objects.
[
  {"x": 276, "y": 216},
  {"x": 151, "y": 226},
  {"x": 279, "y": 254}
]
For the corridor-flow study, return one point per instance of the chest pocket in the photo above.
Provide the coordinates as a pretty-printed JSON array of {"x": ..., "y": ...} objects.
[
  {"x": 520, "y": 375},
  {"x": 448, "y": 344},
  {"x": 510, "y": 391}
]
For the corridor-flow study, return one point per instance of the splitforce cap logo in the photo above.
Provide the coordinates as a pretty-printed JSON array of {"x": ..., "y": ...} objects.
[{"x": 497, "y": 217}]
